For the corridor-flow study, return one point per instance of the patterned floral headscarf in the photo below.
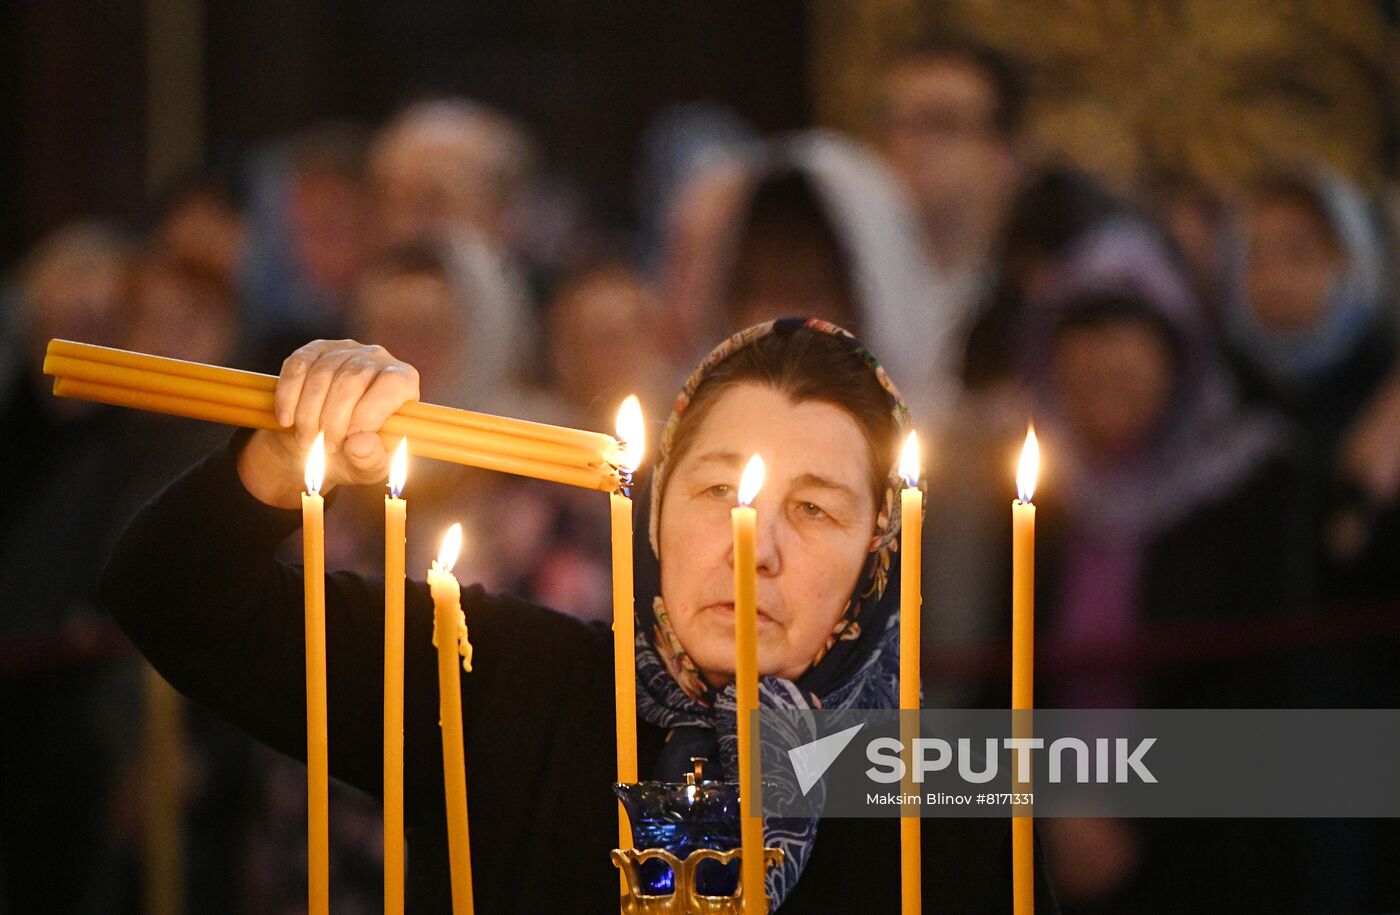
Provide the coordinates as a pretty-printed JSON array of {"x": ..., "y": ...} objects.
[{"x": 856, "y": 667}]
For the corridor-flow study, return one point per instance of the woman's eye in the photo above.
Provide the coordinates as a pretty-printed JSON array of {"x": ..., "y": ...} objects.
[
  {"x": 811, "y": 510},
  {"x": 720, "y": 490}
]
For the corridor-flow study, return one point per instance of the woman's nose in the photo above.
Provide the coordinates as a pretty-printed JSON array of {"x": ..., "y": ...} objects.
[{"x": 767, "y": 548}]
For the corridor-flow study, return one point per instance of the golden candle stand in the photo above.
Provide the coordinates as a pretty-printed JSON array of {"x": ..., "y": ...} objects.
[{"x": 685, "y": 897}]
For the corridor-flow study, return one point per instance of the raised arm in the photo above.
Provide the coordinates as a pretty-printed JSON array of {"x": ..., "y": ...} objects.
[{"x": 196, "y": 584}]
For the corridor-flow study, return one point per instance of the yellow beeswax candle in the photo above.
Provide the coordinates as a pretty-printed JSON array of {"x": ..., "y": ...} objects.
[
  {"x": 1023, "y": 659},
  {"x": 745, "y": 522},
  {"x": 450, "y": 637},
  {"x": 317, "y": 759},
  {"x": 910, "y": 604},
  {"x": 395, "y": 511},
  {"x": 631, "y": 433}
]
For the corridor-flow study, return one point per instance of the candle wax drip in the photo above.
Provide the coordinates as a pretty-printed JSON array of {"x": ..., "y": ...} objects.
[{"x": 464, "y": 645}]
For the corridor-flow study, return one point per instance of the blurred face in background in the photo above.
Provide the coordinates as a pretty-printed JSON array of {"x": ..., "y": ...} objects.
[
  {"x": 602, "y": 343},
  {"x": 938, "y": 130},
  {"x": 182, "y": 311},
  {"x": 414, "y": 315},
  {"x": 1293, "y": 261},
  {"x": 76, "y": 288},
  {"x": 206, "y": 230},
  {"x": 1113, "y": 380},
  {"x": 788, "y": 257},
  {"x": 328, "y": 222},
  {"x": 697, "y": 226},
  {"x": 445, "y": 169},
  {"x": 779, "y": 277}
]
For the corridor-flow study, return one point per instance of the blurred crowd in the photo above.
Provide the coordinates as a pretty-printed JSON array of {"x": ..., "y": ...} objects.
[{"x": 1211, "y": 370}]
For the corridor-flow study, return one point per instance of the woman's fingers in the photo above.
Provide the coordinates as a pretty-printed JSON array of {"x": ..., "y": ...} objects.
[
  {"x": 349, "y": 383},
  {"x": 346, "y": 390},
  {"x": 395, "y": 384},
  {"x": 293, "y": 377},
  {"x": 315, "y": 388}
]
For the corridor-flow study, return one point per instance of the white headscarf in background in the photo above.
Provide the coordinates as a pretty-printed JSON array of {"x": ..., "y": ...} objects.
[{"x": 906, "y": 312}]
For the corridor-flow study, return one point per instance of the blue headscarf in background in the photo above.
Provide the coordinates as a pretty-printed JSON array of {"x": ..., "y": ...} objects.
[{"x": 1353, "y": 302}]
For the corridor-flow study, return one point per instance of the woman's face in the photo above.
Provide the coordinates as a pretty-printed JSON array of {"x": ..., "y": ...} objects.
[
  {"x": 1292, "y": 264},
  {"x": 816, "y": 515},
  {"x": 1114, "y": 382}
]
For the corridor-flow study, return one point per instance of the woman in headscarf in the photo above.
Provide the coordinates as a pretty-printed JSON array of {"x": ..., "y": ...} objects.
[
  {"x": 539, "y": 699},
  {"x": 1311, "y": 338},
  {"x": 1173, "y": 516},
  {"x": 1162, "y": 473}
]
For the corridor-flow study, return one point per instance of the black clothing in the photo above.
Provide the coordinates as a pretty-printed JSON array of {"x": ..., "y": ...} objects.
[
  {"x": 1322, "y": 410},
  {"x": 195, "y": 584}
]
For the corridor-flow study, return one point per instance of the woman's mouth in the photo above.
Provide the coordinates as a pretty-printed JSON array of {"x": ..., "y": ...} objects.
[{"x": 727, "y": 608}]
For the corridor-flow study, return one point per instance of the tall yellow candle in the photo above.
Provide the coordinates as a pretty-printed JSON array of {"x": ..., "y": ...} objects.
[
  {"x": 910, "y": 608},
  {"x": 745, "y": 521},
  {"x": 450, "y": 637},
  {"x": 163, "y": 799},
  {"x": 395, "y": 510},
  {"x": 631, "y": 432},
  {"x": 318, "y": 866},
  {"x": 1022, "y": 659}
]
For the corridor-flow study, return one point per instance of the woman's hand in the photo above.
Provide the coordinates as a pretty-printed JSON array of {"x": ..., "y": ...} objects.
[
  {"x": 1370, "y": 451},
  {"x": 342, "y": 388}
]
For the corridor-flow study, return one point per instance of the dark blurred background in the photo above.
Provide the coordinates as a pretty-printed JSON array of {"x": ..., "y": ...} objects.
[{"x": 79, "y": 118}]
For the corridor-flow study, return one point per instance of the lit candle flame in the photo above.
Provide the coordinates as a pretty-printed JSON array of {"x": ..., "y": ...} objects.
[
  {"x": 1029, "y": 467},
  {"x": 909, "y": 461},
  {"x": 398, "y": 469},
  {"x": 451, "y": 548},
  {"x": 631, "y": 432},
  {"x": 316, "y": 465},
  {"x": 752, "y": 480}
]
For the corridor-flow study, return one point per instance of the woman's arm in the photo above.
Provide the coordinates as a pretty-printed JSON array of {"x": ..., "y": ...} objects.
[{"x": 195, "y": 583}]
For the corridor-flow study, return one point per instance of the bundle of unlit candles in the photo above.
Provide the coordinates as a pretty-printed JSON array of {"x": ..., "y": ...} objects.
[{"x": 224, "y": 395}]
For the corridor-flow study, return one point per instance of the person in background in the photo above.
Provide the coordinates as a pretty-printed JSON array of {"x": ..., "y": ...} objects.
[
  {"x": 1053, "y": 211},
  {"x": 411, "y": 298},
  {"x": 694, "y": 242},
  {"x": 1310, "y": 336},
  {"x": 787, "y": 257},
  {"x": 66, "y": 673},
  {"x": 820, "y": 226},
  {"x": 947, "y": 116},
  {"x": 446, "y": 166},
  {"x": 1054, "y": 208},
  {"x": 199, "y": 220},
  {"x": 601, "y": 347},
  {"x": 310, "y": 227},
  {"x": 452, "y": 173},
  {"x": 1164, "y": 517},
  {"x": 1197, "y": 217},
  {"x": 183, "y": 309}
]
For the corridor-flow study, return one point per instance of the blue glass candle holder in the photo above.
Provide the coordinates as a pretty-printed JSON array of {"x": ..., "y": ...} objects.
[{"x": 682, "y": 817}]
